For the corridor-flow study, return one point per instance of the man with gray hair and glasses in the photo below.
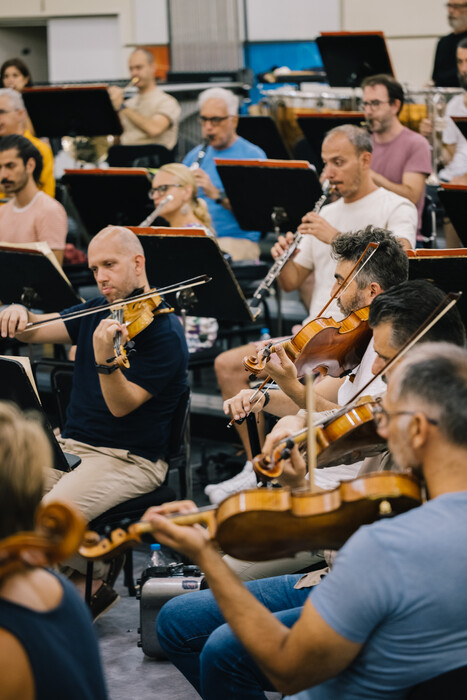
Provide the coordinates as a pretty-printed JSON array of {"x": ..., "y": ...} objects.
[{"x": 218, "y": 114}]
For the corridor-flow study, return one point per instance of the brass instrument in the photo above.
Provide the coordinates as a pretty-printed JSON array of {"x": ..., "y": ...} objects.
[{"x": 436, "y": 108}]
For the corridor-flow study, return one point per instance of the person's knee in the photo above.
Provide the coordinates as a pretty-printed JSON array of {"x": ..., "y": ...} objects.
[
  {"x": 220, "y": 650},
  {"x": 229, "y": 363}
]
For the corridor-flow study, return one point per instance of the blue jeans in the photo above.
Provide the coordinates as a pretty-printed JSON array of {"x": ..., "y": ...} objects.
[{"x": 195, "y": 637}]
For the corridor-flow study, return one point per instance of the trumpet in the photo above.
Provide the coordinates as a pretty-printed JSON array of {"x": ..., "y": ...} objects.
[{"x": 154, "y": 214}]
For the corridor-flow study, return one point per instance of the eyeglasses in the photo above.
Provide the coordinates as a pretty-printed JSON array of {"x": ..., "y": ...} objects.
[
  {"x": 215, "y": 121},
  {"x": 450, "y": 6},
  {"x": 162, "y": 189},
  {"x": 373, "y": 104},
  {"x": 382, "y": 417}
]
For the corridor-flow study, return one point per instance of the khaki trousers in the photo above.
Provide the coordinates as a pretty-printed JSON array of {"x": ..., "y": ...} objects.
[{"x": 105, "y": 478}]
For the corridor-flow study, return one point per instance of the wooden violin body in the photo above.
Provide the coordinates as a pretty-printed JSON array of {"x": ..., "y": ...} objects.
[
  {"x": 263, "y": 524},
  {"x": 58, "y": 533},
  {"x": 344, "y": 438},
  {"x": 324, "y": 345}
]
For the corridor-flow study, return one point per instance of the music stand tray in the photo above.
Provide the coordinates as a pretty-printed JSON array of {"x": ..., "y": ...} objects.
[
  {"x": 447, "y": 268},
  {"x": 109, "y": 195},
  {"x": 263, "y": 132},
  {"x": 315, "y": 126},
  {"x": 454, "y": 201},
  {"x": 259, "y": 189},
  {"x": 173, "y": 255},
  {"x": 349, "y": 57},
  {"x": 29, "y": 277},
  {"x": 71, "y": 110},
  {"x": 16, "y": 386}
]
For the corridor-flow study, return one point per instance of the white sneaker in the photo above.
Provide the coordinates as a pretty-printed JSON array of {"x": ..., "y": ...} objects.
[{"x": 246, "y": 479}]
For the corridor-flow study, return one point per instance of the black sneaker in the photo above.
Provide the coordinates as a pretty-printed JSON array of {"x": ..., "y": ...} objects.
[{"x": 103, "y": 599}]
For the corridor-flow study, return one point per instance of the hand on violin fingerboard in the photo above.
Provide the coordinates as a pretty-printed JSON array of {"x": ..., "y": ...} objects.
[
  {"x": 314, "y": 225},
  {"x": 284, "y": 372},
  {"x": 103, "y": 339}
]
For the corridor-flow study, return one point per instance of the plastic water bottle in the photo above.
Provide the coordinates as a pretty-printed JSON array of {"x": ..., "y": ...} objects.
[
  {"x": 157, "y": 557},
  {"x": 265, "y": 334}
]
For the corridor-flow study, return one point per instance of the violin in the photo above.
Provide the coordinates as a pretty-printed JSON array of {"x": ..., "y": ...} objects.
[
  {"x": 58, "y": 532},
  {"x": 264, "y": 524},
  {"x": 348, "y": 436},
  {"x": 322, "y": 345},
  {"x": 136, "y": 315}
]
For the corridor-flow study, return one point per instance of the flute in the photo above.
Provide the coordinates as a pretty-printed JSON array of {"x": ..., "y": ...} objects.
[{"x": 154, "y": 214}]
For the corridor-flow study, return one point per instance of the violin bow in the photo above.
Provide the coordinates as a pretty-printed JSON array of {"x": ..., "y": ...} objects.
[
  {"x": 443, "y": 307},
  {"x": 311, "y": 443},
  {"x": 345, "y": 284},
  {"x": 169, "y": 289}
]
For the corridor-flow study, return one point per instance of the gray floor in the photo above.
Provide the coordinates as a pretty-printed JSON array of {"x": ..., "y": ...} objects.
[{"x": 129, "y": 673}]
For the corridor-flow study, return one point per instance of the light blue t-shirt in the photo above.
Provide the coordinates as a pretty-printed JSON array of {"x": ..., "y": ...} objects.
[
  {"x": 399, "y": 587},
  {"x": 223, "y": 220}
]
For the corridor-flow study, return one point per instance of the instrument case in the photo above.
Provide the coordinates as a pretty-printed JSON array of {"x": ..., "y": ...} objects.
[{"x": 156, "y": 586}]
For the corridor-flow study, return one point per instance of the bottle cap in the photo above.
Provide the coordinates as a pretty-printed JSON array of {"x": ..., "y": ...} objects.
[
  {"x": 264, "y": 331},
  {"x": 155, "y": 547}
]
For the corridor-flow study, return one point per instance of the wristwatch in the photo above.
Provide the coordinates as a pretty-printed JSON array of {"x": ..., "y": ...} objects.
[
  {"x": 105, "y": 369},
  {"x": 221, "y": 197}
]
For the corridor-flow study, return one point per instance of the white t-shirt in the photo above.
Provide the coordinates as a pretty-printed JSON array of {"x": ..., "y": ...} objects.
[
  {"x": 330, "y": 477},
  {"x": 452, "y": 135},
  {"x": 381, "y": 208}
]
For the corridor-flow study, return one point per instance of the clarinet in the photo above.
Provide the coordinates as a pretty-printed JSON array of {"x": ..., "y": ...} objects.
[
  {"x": 155, "y": 213},
  {"x": 285, "y": 257},
  {"x": 201, "y": 155}
]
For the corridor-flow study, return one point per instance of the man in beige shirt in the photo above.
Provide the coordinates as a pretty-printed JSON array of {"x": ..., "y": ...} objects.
[
  {"x": 151, "y": 116},
  {"x": 30, "y": 215}
]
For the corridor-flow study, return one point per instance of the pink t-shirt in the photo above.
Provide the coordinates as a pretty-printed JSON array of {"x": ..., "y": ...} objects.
[
  {"x": 409, "y": 152},
  {"x": 43, "y": 219}
]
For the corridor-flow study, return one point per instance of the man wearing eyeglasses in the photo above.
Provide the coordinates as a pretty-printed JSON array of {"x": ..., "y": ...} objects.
[
  {"x": 391, "y": 614},
  {"x": 444, "y": 69},
  {"x": 401, "y": 158},
  {"x": 219, "y": 119}
]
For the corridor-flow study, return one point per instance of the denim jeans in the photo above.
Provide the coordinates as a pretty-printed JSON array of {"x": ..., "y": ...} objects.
[{"x": 195, "y": 637}]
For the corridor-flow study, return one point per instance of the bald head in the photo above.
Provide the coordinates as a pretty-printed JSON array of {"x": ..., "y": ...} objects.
[
  {"x": 116, "y": 258},
  {"x": 120, "y": 239}
]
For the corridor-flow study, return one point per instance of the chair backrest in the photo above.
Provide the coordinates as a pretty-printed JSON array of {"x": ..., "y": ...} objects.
[{"x": 180, "y": 422}]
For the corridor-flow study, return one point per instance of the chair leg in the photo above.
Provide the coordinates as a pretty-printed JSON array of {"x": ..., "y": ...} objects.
[
  {"x": 88, "y": 589},
  {"x": 128, "y": 578}
]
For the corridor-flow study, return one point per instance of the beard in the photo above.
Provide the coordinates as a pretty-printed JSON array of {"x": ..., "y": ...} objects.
[{"x": 462, "y": 77}]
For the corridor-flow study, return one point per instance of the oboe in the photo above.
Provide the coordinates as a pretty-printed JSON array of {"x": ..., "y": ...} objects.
[
  {"x": 155, "y": 213},
  {"x": 285, "y": 257},
  {"x": 201, "y": 155}
]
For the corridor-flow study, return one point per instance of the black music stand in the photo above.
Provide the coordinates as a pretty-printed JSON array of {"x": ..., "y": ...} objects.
[
  {"x": 16, "y": 386},
  {"x": 171, "y": 258},
  {"x": 349, "y": 57},
  {"x": 150, "y": 155},
  {"x": 316, "y": 126},
  {"x": 71, "y": 111},
  {"x": 263, "y": 132},
  {"x": 28, "y": 277},
  {"x": 446, "y": 268},
  {"x": 454, "y": 200},
  {"x": 269, "y": 195},
  {"x": 113, "y": 195},
  {"x": 461, "y": 123}
]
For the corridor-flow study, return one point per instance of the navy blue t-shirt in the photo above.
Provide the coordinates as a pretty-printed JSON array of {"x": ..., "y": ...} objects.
[
  {"x": 159, "y": 365},
  {"x": 61, "y": 646}
]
